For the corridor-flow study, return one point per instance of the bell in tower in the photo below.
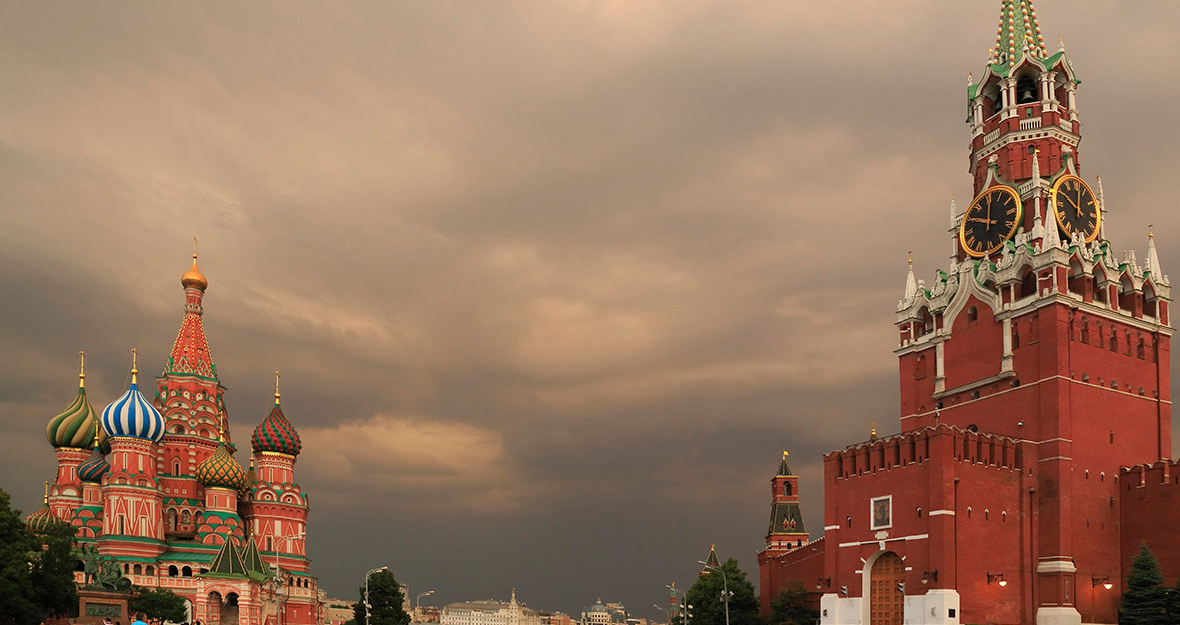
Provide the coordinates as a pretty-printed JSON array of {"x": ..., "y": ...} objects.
[{"x": 1026, "y": 90}]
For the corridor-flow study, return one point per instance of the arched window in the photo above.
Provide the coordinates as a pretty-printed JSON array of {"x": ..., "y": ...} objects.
[
  {"x": 186, "y": 518},
  {"x": 1140, "y": 348},
  {"x": 1114, "y": 340},
  {"x": 137, "y": 569},
  {"x": 1028, "y": 284},
  {"x": 176, "y": 467},
  {"x": 173, "y": 571},
  {"x": 172, "y": 520},
  {"x": 787, "y": 489},
  {"x": 972, "y": 314},
  {"x": 1085, "y": 330},
  {"x": 150, "y": 570},
  {"x": 186, "y": 572}
]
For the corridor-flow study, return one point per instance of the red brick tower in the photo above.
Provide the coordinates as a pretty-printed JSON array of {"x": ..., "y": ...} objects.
[
  {"x": 786, "y": 539},
  {"x": 1038, "y": 333},
  {"x": 786, "y": 530}
]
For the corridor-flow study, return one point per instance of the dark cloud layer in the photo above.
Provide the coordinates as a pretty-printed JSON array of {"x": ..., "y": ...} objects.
[{"x": 551, "y": 284}]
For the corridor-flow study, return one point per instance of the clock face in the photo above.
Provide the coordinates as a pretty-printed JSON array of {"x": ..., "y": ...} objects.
[
  {"x": 1076, "y": 209},
  {"x": 990, "y": 220}
]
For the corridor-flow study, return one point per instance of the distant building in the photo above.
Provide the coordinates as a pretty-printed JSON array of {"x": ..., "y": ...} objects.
[
  {"x": 604, "y": 614},
  {"x": 337, "y": 611},
  {"x": 489, "y": 612},
  {"x": 555, "y": 618},
  {"x": 427, "y": 614}
]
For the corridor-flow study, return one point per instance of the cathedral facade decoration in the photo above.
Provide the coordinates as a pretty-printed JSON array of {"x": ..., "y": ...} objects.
[{"x": 151, "y": 484}]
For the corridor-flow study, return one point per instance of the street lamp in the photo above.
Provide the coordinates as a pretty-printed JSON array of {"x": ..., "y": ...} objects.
[
  {"x": 418, "y": 601},
  {"x": 367, "y": 604},
  {"x": 725, "y": 594},
  {"x": 667, "y": 614}
]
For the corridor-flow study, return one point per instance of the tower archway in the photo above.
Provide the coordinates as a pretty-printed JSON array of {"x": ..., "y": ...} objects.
[{"x": 883, "y": 593}]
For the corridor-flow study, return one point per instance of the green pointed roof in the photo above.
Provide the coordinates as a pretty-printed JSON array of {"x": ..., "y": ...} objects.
[
  {"x": 228, "y": 562},
  {"x": 711, "y": 562},
  {"x": 1017, "y": 34},
  {"x": 255, "y": 567},
  {"x": 784, "y": 469}
]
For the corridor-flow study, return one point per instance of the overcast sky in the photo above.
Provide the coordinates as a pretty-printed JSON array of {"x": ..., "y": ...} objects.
[{"x": 551, "y": 284}]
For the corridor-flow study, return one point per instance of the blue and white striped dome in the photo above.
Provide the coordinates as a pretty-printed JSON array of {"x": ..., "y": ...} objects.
[{"x": 132, "y": 415}]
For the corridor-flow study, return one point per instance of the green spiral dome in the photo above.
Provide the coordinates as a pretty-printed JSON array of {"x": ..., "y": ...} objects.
[
  {"x": 75, "y": 426},
  {"x": 221, "y": 470}
]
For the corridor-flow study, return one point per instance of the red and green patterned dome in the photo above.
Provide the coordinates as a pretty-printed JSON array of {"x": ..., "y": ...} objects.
[
  {"x": 221, "y": 470},
  {"x": 276, "y": 434}
]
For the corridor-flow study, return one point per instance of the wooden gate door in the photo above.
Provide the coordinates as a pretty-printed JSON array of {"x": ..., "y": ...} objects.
[{"x": 886, "y": 602}]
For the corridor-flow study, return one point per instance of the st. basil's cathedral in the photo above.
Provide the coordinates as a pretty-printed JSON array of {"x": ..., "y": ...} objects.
[
  {"x": 1034, "y": 457},
  {"x": 154, "y": 492}
]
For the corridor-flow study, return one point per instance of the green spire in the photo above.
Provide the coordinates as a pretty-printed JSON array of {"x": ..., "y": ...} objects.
[
  {"x": 784, "y": 469},
  {"x": 255, "y": 567},
  {"x": 228, "y": 562},
  {"x": 1017, "y": 34}
]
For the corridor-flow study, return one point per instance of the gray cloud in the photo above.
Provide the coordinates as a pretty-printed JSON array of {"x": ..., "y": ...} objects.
[{"x": 583, "y": 268}]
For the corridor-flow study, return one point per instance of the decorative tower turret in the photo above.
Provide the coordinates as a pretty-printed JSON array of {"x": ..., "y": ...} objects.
[
  {"x": 222, "y": 478},
  {"x": 275, "y": 506},
  {"x": 72, "y": 433},
  {"x": 190, "y": 397},
  {"x": 132, "y": 500},
  {"x": 786, "y": 521}
]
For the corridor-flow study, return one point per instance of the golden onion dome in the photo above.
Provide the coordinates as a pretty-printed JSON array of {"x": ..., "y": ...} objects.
[{"x": 193, "y": 278}]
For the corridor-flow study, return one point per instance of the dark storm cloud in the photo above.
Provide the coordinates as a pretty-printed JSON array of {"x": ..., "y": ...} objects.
[{"x": 551, "y": 284}]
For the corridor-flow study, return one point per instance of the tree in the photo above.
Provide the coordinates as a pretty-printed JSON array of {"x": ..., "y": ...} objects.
[
  {"x": 793, "y": 606},
  {"x": 385, "y": 599},
  {"x": 161, "y": 604},
  {"x": 1145, "y": 602},
  {"x": 52, "y": 574},
  {"x": 17, "y": 606},
  {"x": 705, "y": 597}
]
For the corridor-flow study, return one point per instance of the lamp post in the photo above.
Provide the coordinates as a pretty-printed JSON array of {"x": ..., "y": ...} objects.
[
  {"x": 279, "y": 571},
  {"x": 418, "y": 601},
  {"x": 367, "y": 604},
  {"x": 725, "y": 594},
  {"x": 667, "y": 614}
]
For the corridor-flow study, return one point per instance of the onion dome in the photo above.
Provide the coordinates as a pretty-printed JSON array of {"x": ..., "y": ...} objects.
[
  {"x": 133, "y": 415},
  {"x": 93, "y": 469},
  {"x": 193, "y": 278},
  {"x": 221, "y": 469},
  {"x": 43, "y": 520},
  {"x": 275, "y": 433},
  {"x": 76, "y": 426}
]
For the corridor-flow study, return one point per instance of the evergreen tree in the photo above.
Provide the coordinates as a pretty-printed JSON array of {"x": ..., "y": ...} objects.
[
  {"x": 792, "y": 606},
  {"x": 1145, "y": 602},
  {"x": 705, "y": 596},
  {"x": 17, "y": 606},
  {"x": 52, "y": 574},
  {"x": 385, "y": 602},
  {"x": 161, "y": 603}
]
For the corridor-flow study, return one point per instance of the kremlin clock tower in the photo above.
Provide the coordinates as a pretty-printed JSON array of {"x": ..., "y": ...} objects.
[{"x": 1035, "y": 444}]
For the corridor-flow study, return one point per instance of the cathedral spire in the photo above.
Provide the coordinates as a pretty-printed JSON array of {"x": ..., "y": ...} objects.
[
  {"x": 1153, "y": 259},
  {"x": 911, "y": 286},
  {"x": 190, "y": 353}
]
